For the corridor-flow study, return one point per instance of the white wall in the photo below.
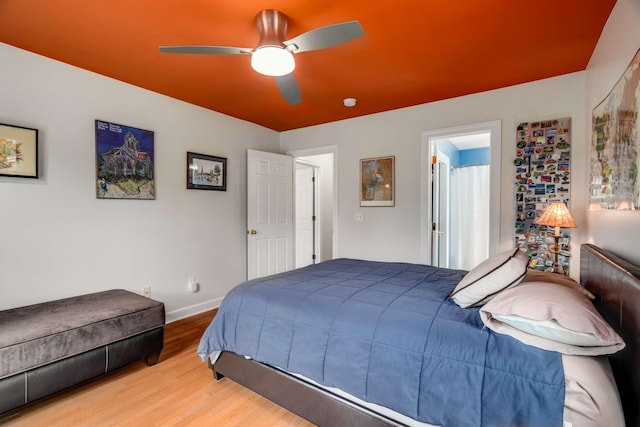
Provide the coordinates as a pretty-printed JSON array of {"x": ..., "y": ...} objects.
[
  {"x": 618, "y": 231},
  {"x": 58, "y": 240},
  {"x": 393, "y": 233}
]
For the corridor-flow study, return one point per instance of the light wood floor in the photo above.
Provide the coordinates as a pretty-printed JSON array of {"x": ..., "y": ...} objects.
[{"x": 178, "y": 391}]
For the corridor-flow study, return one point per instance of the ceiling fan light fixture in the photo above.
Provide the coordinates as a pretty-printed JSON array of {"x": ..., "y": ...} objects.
[{"x": 272, "y": 61}]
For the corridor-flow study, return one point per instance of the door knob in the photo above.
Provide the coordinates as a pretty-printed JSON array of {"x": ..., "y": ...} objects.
[{"x": 253, "y": 232}]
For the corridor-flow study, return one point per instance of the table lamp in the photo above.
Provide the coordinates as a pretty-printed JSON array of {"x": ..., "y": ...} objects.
[{"x": 557, "y": 215}]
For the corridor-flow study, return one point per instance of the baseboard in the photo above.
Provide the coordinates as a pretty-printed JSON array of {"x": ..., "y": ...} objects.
[{"x": 191, "y": 310}]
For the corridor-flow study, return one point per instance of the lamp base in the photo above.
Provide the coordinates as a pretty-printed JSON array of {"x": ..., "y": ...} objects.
[{"x": 556, "y": 264}]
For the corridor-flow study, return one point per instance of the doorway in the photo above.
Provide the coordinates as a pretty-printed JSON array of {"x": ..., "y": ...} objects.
[
  {"x": 271, "y": 234},
  {"x": 323, "y": 160},
  {"x": 460, "y": 195}
]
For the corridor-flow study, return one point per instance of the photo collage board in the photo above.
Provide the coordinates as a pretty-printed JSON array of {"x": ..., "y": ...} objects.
[{"x": 542, "y": 176}]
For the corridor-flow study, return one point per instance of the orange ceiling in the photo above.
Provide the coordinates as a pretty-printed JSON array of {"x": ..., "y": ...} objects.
[{"x": 413, "y": 51}]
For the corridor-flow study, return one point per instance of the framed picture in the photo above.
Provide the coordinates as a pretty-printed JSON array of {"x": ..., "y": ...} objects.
[
  {"x": 377, "y": 181},
  {"x": 206, "y": 172},
  {"x": 18, "y": 151},
  {"x": 124, "y": 162}
]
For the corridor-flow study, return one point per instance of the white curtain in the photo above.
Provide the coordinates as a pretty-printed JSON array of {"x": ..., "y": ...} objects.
[{"x": 469, "y": 216}]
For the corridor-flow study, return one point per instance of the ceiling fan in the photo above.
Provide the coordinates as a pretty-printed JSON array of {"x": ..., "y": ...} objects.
[{"x": 274, "y": 55}]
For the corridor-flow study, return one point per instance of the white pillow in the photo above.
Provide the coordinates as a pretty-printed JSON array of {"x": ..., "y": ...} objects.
[
  {"x": 552, "y": 330},
  {"x": 551, "y": 317},
  {"x": 501, "y": 271}
]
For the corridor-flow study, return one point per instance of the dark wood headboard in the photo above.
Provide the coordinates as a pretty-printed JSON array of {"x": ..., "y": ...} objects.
[{"x": 616, "y": 285}]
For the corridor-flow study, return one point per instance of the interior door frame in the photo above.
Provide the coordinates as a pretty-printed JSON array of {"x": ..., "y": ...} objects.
[
  {"x": 327, "y": 149},
  {"x": 494, "y": 127}
]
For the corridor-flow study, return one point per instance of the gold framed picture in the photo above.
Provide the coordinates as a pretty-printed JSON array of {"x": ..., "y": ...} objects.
[{"x": 377, "y": 187}]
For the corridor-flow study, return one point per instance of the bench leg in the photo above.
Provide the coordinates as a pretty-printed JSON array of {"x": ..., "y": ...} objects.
[{"x": 152, "y": 359}]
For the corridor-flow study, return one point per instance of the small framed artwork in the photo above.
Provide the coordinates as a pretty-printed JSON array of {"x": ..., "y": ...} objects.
[
  {"x": 206, "y": 172},
  {"x": 18, "y": 151},
  {"x": 377, "y": 181},
  {"x": 124, "y": 162}
]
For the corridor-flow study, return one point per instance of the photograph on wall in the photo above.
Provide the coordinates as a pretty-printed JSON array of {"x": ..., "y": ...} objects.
[
  {"x": 124, "y": 162},
  {"x": 615, "y": 143},
  {"x": 542, "y": 176},
  {"x": 18, "y": 151},
  {"x": 376, "y": 181},
  {"x": 206, "y": 172}
]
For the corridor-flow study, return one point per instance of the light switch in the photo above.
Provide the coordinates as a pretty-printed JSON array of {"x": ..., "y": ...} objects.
[{"x": 359, "y": 217}]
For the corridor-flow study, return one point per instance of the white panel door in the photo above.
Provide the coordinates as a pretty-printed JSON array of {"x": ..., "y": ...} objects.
[
  {"x": 269, "y": 213},
  {"x": 305, "y": 215}
]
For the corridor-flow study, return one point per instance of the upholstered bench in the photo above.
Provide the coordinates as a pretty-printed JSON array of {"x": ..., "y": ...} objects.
[{"x": 47, "y": 347}]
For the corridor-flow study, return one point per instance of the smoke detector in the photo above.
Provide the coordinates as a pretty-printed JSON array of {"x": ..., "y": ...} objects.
[{"x": 349, "y": 102}]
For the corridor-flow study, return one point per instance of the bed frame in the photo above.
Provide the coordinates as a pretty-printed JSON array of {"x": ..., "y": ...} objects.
[
  {"x": 616, "y": 285},
  {"x": 614, "y": 281}
]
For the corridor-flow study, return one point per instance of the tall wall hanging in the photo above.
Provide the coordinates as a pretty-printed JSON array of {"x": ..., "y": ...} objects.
[
  {"x": 615, "y": 145},
  {"x": 542, "y": 176}
]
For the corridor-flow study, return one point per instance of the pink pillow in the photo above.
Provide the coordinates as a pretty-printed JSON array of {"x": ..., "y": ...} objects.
[
  {"x": 558, "y": 279},
  {"x": 553, "y": 318}
]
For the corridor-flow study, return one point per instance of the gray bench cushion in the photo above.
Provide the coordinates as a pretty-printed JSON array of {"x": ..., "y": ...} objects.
[{"x": 35, "y": 335}]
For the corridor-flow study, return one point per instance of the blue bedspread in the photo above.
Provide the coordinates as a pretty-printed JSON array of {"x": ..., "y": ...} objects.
[{"x": 388, "y": 334}]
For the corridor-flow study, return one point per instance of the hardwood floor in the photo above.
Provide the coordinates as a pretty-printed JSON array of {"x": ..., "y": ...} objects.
[{"x": 178, "y": 391}]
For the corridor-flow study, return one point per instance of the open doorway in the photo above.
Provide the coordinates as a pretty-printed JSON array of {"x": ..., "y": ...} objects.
[
  {"x": 460, "y": 201},
  {"x": 315, "y": 229},
  {"x": 461, "y": 193}
]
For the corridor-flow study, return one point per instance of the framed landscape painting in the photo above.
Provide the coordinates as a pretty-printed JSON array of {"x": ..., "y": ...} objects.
[{"x": 206, "y": 172}]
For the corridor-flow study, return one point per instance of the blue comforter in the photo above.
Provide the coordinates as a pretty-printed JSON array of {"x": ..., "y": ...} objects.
[{"x": 388, "y": 334}]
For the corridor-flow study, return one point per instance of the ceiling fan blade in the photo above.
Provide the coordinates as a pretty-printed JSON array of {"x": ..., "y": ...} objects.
[
  {"x": 216, "y": 50},
  {"x": 289, "y": 88},
  {"x": 323, "y": 37}
]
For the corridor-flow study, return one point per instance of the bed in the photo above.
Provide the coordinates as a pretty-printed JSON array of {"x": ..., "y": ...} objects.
[{"x": 323, "y": 402}]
